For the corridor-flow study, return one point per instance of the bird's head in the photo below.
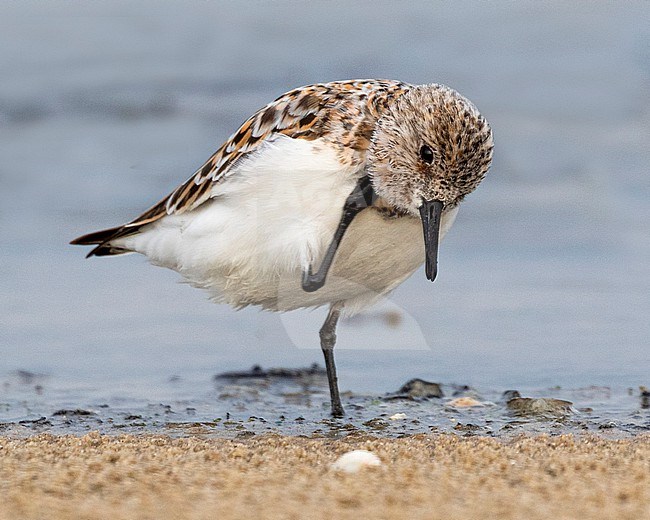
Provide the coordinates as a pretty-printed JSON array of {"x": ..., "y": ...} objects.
[{"x": 430, "y": 148}]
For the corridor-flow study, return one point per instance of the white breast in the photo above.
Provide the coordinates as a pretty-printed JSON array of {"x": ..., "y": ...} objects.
[{"x": 274, "y": 216}]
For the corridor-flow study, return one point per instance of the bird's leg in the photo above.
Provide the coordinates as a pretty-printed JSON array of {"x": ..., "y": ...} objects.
[
  {"x": 361, "y": 197},
  {"x": 327, "y": 340}
]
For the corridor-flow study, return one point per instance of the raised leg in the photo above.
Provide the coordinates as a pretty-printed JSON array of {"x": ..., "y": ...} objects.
[{"x": 327, "y": 341}]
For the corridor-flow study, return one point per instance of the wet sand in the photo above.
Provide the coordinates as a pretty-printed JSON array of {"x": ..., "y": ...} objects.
[{"x": 422, "y": 476}]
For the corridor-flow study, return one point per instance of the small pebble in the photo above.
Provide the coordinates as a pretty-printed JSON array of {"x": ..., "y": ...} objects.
[
  {"x": 541, "y": 406},
  {"x": 421, "y": 388},
  {"x": 354, "y": 461},
  {"x": 398, "y": 417},
  {"x": 464, "y": 402}
]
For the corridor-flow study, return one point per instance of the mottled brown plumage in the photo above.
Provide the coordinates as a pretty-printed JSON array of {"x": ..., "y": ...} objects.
[
  {"x": 342, "y": 113},
  {"x": 458, "y": 137}
]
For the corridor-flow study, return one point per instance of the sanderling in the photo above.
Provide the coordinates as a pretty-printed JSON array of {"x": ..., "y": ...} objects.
[{"x": 343, "y": 176}]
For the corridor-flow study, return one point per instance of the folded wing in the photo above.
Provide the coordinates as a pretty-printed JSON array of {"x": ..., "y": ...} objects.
[{"x": 310, "y": 112}]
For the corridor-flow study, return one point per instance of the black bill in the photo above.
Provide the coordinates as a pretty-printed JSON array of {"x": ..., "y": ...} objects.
[{"x": 431, "y": 213}]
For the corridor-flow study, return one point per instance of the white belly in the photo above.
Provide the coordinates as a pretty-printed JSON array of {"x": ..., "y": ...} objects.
[
  {"x": 270, "y": 220},
  {"x": 376, "y": 255}
]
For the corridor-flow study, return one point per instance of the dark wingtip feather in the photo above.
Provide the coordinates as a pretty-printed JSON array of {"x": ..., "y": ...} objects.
[
  {"x": 105, "y": 250},
  {"x": 102, "y": 239},
  {"x": 97, "y": 237}
]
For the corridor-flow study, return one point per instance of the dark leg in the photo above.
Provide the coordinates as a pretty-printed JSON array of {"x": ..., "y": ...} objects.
[
  {"x": 327, "y": 341},
  {"x": 361, "y": 197}
]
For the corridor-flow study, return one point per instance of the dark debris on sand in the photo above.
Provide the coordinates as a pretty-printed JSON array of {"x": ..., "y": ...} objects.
[
  {"x": 417, "y": 389},
  {"x": 257, "y": 372}
]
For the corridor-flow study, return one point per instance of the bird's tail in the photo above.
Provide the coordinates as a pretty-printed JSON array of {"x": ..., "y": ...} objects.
[{"x": 102, "y": 239}]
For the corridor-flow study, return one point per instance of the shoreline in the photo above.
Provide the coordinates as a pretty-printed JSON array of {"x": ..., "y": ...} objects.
[{"x": 275, "y": 476}]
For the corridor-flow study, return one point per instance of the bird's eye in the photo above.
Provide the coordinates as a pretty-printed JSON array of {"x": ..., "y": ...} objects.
[{"x": 426, "y": 154}]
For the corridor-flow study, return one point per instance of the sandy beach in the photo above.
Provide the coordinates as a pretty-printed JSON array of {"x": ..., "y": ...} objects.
[{"x": 423, "y": 476}]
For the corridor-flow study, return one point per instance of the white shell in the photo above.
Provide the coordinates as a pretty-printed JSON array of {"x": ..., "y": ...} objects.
[
  {"x": 353, "y": 461},
  {"x": 464, "y": 402}
]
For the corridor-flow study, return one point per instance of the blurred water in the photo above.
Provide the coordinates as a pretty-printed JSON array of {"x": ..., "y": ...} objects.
[{"x": 544, "y": 280}]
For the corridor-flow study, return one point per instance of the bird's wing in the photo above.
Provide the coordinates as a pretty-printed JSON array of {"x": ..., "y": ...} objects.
[{"x": 343, "y": 113}]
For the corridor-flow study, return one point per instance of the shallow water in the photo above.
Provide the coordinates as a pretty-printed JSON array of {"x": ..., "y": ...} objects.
[
  {"x": 247, "y": 406},
  {"x": 544, "y": 280}
]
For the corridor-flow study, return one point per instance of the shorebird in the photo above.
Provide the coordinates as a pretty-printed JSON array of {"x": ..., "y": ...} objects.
[{"x": 333, "y": 194}]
